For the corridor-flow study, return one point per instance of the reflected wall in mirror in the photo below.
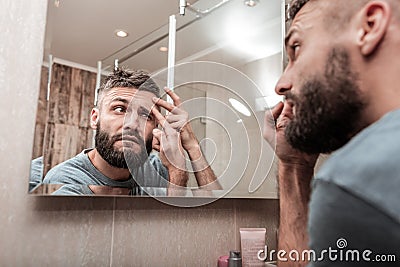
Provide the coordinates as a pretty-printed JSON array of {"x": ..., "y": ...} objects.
[
  {"x": 62, "y": 123},
  {"x": 248, "y": 40}
]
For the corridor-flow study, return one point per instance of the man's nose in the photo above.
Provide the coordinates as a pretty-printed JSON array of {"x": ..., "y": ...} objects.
[
  {"x": 284, "y": 85},
  {"x": 131, "y": 121}
]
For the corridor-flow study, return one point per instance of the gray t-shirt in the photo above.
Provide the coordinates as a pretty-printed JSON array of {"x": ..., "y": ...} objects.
[
  {"x": 36, "y": 174},
  {"x": 79, "y": 172},
  {"x": 355, "y": 201}
]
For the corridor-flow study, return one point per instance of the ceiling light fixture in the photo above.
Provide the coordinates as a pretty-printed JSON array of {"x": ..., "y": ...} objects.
[
  {"x": 251, "y": 3},
  {"x": 240, "y": 107},
  {"x": 163, "y": 49},
  {"x": 121, "y": 33}
]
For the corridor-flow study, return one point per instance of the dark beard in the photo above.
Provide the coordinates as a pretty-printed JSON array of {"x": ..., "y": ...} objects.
[
  {"x": 135, "y": 160},
  {"x": 104, "y": 144},
  {"x": 328, "y": 110}
]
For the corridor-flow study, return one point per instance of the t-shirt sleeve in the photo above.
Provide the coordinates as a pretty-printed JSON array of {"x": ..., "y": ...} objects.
[
  {"x": 62, "y": 174},
  {"x": 160, "y": 168},
  {"x": 36, "y": 173},
  {"x": 71, "y": 171},
  {"x": 346, "y": 226},
  {"x": 73, "y": 190}
]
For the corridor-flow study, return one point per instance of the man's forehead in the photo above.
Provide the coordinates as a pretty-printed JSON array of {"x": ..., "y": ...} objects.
[
  {"x": 119, "y": 92},
  {"x": 126, "y": 93},
  {"x": 312, "y": 9},
  {"x": 142, "y": 99},
  {"x": 310, "y": 14}
]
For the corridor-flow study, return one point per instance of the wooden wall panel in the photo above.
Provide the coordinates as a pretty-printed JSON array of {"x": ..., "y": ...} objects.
[
  {"x": 75, "y": 96},
  {"x": 88, "y": 83},
  {"x": 60, "y": 88},
  {"x": 41, "y": 115},
  {"x": 63, "y": 141},
  {"x": 87, "y": 138},
  {"x": 47, "y": 147},
  {"x": 68, "y": 129}
]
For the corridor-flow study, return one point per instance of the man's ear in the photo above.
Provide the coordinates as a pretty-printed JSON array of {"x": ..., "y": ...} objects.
[
  {"x": 94, "y": 118},
  {"x": 374, "y": 21}
]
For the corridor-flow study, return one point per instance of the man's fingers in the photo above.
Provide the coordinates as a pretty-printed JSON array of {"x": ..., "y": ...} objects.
[
  {"x": 159, "y": 139},
  {"x": 177, "y": 126},
  {"x": 159, "y": 117},
  {"x": 277, "y": 110},
  {"x": 156, "y": 139},
  {"x": 175, "y": 97},
  {"x": 155, "y": 146},
  {"x": 171, "y": 118},
  {"x": 173, "y": 108},
  {"x": 273, "y": 114},
  {"x": 163, "y": 122},
  {"x": 157, "y": 134},
  {"x": 162, "y": 103}
]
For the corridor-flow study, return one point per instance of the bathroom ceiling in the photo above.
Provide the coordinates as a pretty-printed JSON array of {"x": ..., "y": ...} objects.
[{"x": 83, "y": 31}]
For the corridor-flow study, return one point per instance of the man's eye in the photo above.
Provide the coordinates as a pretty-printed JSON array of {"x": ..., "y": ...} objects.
[
  {"x": 120, "y": 109},
  {"x": 295, "y": 50},
  {"x": 147, "y": 116}
]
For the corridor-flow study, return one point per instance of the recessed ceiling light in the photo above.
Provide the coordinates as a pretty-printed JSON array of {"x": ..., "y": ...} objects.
[
  {"x": 163, "y": 49},
  {"x": 121, "y": 33},
  {"x": 251, "y": 3},
  {"x": 240, "y": 107}
]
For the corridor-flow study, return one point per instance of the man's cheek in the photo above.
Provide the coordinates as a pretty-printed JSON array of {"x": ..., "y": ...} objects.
[
  {"x": 148, "y": 130},
  {"x": 148, "y": 137}
]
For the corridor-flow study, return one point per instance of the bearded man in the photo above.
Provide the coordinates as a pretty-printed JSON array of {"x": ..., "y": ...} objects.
[
  {"x": 125, "y": 118},
  {"x": 342, "y": 93}
]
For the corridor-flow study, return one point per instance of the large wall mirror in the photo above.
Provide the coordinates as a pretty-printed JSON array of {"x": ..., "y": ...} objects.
[{"x": 227, "y": 58}]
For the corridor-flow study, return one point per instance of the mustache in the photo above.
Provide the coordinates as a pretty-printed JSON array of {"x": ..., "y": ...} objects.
[
  {"x": 128, "y": 135},
  {"x": 291, "y": 97}
]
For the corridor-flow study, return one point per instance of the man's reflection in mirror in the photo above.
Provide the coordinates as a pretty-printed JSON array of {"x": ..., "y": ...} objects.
[{"x": 125, "y": 119}]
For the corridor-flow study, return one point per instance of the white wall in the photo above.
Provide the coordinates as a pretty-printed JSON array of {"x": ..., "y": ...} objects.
[{"x": 265, "y": 73}]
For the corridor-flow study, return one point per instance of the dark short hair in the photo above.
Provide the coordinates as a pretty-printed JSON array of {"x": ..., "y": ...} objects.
[
  {"x": 294, "y": 7},
  {"x": 120, "y": 77},
  {"x": 338, "y": 14}
]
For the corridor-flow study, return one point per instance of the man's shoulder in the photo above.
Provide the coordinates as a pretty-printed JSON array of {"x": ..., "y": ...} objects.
[
  {"x": 68, "y": 171},
  {"x": 73, "y": 189},
  {"x": 368, "y": 166},
  {"x": 336, "y": 215},
  {"x": 153, "y": 173},
  {"x": 154, "y": 158},
  {"x": 155, "y": 161},
  {"x": 372, "y": 148}
]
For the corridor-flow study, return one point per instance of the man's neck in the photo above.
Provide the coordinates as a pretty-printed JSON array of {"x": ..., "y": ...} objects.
[
  {"x": 111, "y": 172},
  {"x": 381, "y": 83},
  {"x": 380, "y": 106}
]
